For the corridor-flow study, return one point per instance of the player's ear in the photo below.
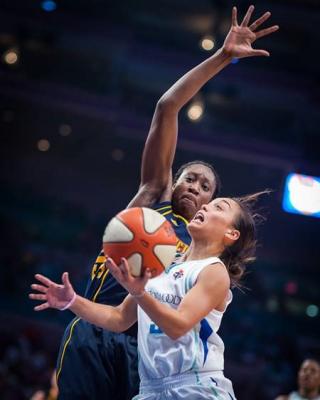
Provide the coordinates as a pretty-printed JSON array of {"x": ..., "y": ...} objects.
[{"x": 232, "y": 235}]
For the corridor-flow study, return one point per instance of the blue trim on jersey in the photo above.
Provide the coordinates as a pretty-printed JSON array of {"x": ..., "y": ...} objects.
[
  {"x": 204, "y": 334},
  {"x": 154, "y": 329},
  {"x": 214, "y": 381}
]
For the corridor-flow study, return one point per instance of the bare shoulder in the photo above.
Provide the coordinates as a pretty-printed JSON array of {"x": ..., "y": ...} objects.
[
  {"x": 215, "y": 274},
  {"x": 214, "y": 283}
]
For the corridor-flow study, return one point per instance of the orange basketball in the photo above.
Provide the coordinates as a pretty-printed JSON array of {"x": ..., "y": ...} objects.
[{"x": 144, "y": 237}]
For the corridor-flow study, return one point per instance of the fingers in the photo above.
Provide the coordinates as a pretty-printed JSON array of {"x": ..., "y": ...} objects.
[
  {"x": 42, "y": 307},
  {"x": 43, "y": 279},
  {"x": 267, "y": 31},
  {"x": 234, "y": 16},
  {"x": 36, "y": 296},
  {"x": 146, "y": 276},
  {"x": 259, "y": 52},
  {"x": 260, "y": 21},
  {"x": 111, "y": 263},
  {"x": 65, "y": 279},
  {"x": 124, "y": 267},
  {"x": 247, "y": 17},
  {"x": 114, "y": 269},
  {"x": 122, "y": 271},
  {"x": 39, "y": 288}
]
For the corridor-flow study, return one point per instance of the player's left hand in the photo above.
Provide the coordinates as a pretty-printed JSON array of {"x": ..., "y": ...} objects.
[
  {"x": 134, "y": 285},
  {"x": 238, "y": 43},
  {"x": 52, "y": 294}
]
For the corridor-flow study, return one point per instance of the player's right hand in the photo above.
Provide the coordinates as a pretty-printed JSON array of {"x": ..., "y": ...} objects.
[
  {"x": 238, "y": 43},
  {"x": 52, "y": 294},
  {"x": 134, "y": 285}
]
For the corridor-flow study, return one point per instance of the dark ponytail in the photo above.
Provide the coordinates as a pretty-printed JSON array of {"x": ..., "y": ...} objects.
[{"x": 242, "y": 252}]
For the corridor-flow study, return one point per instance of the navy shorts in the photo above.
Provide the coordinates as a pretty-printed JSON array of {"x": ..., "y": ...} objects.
[{"x": 97, "y": 364}]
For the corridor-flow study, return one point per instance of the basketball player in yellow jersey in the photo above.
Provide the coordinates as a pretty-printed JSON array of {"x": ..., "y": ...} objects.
[{"x": 108, "y": 360}]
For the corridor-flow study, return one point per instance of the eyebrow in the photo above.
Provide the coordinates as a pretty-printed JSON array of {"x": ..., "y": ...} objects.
[
  {"x": 200, "y": 175},
  {"x": 226, "y": 202}
]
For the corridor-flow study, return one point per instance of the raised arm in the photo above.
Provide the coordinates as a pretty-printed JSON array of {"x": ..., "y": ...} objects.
[
  {"x": 209, "y": 292},
  {"x": 62, "y": 297},
  {"x": 160, "y": 146}
]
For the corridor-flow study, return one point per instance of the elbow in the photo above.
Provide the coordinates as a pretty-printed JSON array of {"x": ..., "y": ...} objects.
[
  {"x": 117, "y": 327},
  {"x": 174, "y": 335},
  {"x": 166, "y": 105},
  {"x": 177, "y": 328}
]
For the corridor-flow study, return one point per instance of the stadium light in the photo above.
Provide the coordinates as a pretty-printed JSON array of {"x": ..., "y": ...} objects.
[{"x": 302, "y": 195}]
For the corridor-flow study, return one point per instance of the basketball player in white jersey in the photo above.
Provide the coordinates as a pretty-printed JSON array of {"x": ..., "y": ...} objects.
[
  {"x": 308, "y": 382},
  {"x": 179, "y": 312}
]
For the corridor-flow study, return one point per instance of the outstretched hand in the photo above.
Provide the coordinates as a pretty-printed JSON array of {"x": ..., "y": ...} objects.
[
  {"x": 238, "y": 43},
  {"x": 53, "y": 295},
  {"x": 134, "y": 285}
]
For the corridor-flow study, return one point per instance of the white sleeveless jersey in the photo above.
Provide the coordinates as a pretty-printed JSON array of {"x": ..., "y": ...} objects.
[
  {"x": 296, "y": 396},
  {"x": 200, "y": 349}
]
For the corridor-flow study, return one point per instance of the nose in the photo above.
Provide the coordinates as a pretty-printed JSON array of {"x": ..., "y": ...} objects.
[
  {"x": 204, "y": 207},
  {"x": 194, "y": 188}
]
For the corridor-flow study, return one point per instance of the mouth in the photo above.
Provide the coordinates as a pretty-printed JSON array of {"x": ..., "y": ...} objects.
[
  {"x": 305, "y": 381},
  {"x": 190, "y": 199},
  {"x": 199, "y": 217}
]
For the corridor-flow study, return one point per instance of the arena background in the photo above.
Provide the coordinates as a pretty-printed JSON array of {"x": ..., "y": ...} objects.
[{"x": 78, "y": 84}]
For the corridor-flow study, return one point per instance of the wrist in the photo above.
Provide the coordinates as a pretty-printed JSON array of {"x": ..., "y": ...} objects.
[
  {"x": 70, "y": 303},
  {"x": 138, "y": 295},
  {"x": 226, "y": 53}
]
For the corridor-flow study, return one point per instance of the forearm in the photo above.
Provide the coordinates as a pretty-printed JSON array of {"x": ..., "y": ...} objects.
[
  {"x": 102, "y": 315},
  {"x": 161, "y": 143},
  {"x": 159, "y": 152},
  {"x": 169, "y": 320},
  {"x": 209, "y": 292},
  {"x": 187, "y": 86}
]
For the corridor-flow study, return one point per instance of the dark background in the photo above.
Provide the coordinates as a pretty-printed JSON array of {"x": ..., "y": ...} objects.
[{"x": 87, "y": 79}]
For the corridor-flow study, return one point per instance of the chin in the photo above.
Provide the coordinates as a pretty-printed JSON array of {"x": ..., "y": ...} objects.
[
  {"x": 193, "y": 227},
  {"x": 189, "y": 209}
]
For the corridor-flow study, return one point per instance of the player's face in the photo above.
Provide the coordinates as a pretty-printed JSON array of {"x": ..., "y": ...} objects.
[
  {"x": 309, "y": 375},
  {"x": 214, "y": 222},
  {"x": 194, "y": 187}
]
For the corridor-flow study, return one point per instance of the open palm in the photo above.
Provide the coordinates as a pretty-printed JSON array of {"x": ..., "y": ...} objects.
[
  {"x": 238, "y": 43},
  {"x": 53, "y": 295}
]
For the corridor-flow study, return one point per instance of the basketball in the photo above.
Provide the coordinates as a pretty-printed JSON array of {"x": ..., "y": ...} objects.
[{"x": 144, "y": 237}]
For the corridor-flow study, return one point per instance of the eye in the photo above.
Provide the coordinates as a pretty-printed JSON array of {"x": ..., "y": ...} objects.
[
  {"x": 218, "y": 207},
  {"x": 205, "y": 188},
  {"x": 188, "y": 179}
]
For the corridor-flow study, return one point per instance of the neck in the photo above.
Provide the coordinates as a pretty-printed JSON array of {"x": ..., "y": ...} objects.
[
  {"x": 309, "y": 394},
  {"x": 198, "y": 251}
]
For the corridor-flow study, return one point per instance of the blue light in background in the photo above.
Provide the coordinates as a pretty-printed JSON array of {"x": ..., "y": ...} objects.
[
  {"x": 302, "y": 195},
  {"x": 312, "y": 310},
  {"x": 48, "y": 5},
  {"x": 235, "y": 61}
]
